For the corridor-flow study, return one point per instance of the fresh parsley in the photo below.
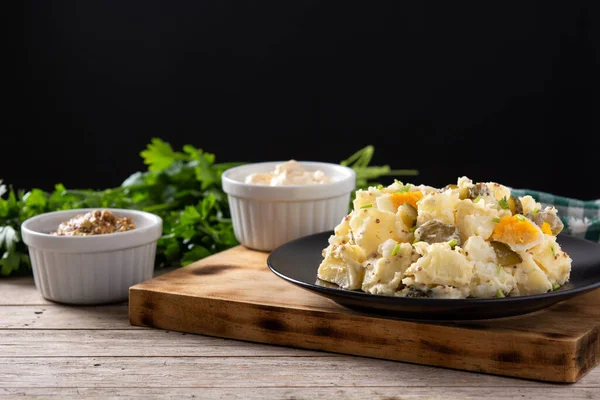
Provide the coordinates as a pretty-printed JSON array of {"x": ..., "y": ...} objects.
[{"x": 182, "y": 187}]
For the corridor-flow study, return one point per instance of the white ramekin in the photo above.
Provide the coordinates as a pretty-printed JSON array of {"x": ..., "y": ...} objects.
[
  {"x": 265, "y": 217},
  {"x": 95, "y": 269}
]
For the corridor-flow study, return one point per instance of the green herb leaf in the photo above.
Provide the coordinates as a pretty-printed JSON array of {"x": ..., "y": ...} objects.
[
  {"x": 496, "y": 220},
  {"x": 553, "y": 251},
  {"x": 158, "y": 155},
  {"x": 476, "y": 199},
  {"x": 500, "y": 294},
  {"x": 453, "y": 243},
  {"x": 396, "y": 249},
  {"x": 555, "y": 286},
  {"x": 367, "y": 206},
  {"x": 521, "y": 218},
  {"x": 9, "y": 263},
  {"x": 405, "y": 189},
  {"x": 503, "y": 203},
  {"x": 197, "y": 252},
  {"x": 8, "y": 238},
  {"x": 535, "y": 211}
]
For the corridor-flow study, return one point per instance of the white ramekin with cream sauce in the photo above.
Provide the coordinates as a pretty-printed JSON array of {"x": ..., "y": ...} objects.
[{"x": 274, "y": 202}]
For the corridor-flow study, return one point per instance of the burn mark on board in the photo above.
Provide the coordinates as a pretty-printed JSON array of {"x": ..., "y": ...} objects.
[
  {"x": 588, "y": 350},
  {"x": 325, "y": 331},
  {"x": 271, "y": 324},
  {"x": 328, "y": 332},
  {"x": 146, "y": 320},
  {"x": 508, "y": 356},
  {"x": 556, "y": 335},
  {"x": 439, "y": 348}
]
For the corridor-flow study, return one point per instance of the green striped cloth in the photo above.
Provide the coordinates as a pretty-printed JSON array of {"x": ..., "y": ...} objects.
[{"x": 581, "y": 218}]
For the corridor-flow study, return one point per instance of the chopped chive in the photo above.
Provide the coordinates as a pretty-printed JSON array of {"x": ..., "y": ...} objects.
[
  {"x": 535, "y": 211},
  {"x": 452, "y": 243},
  {"x": 367, "y": 206},
  {"x": 499, "y": 293},
  {"x": 379, "y": 187},
  {"x": 398, "y": 182},
  {"x": 498, "y": 268},
  {"x": 496, "y": 220},
  {"x": 555, "y": 286},
  {"x": 503, "y": 203},
  {"x": 521, "y": 218},
  {"x": 416, "y": 240},
  {"x": 412, "y": 230},
  {"x": 396, "y": 249},
  {"x": 476, "y": 199},
  {"x": 405, "y": 189},
  {"x": 553, "y": 251}
]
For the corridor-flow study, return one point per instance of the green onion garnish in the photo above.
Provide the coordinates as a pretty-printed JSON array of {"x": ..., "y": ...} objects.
[
  {"x": 499, "y": 293},
  {"x": 521, "y": 218},
  {"x": 396, "y": 249},
  {"x": 476, "y": 199},
  {"x": 452, "y": 243},
  {"x": 412, "y": 230},
  {"x": 553, "y": 251},
  {"x": 498, "y": 268},
  {"x": 405, "y": 189},
  {"x": 379, "y": 187},
  {"x": 535, "y": 211},
  {"x": 555, "y": 286},
  {"x": 367, "y": 206},
  {"x": 496, "y": 220},
  {"x": 503, "y": 203}
]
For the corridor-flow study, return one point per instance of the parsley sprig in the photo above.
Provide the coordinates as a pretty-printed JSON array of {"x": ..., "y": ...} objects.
[{"x": 182, "y": 187}]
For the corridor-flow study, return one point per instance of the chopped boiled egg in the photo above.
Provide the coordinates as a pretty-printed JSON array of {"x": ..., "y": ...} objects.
[{"x": 518, "y": 232}]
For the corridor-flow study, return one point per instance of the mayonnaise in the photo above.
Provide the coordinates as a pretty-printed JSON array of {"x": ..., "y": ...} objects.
[{"x": 288, "y": 173}]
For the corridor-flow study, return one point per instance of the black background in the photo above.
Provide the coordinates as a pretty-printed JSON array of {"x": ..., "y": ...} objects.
[{"x": 491, "y": 90}]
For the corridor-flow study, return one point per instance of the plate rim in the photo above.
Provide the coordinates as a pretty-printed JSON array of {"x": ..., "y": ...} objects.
[{"x": 559, "y": 294}]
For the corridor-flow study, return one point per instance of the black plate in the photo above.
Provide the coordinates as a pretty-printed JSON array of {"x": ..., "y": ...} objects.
[{"x": 297, "y": 262}]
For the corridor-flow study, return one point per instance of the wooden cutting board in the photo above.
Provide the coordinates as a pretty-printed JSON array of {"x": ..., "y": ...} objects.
[{"x": 233, "y": 294}]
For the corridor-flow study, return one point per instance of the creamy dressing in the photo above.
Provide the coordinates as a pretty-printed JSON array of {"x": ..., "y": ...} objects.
[{"x": 288, "y": 173}]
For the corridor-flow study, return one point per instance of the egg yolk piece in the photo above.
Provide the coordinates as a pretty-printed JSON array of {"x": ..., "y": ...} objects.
[
  {"x": 518, "y": 232},
  {"x": 409, "y": 197},
  {"x": 546, "y": 228}
]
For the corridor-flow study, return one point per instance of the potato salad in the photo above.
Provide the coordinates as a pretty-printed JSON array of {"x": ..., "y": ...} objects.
[{"x": 466, "y": 240}]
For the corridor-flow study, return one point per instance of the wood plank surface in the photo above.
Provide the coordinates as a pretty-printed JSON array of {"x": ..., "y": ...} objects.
[
  {"x": 94, "y": 353},
  {"x": 250, "y": 372},
  {"x": 233, "y": 294},
  {"x": 133, "y": 343},
  {"x": 20, "y": 291},
  {"x": 339, "y": 392},
  {"x": 65, "y": 317}
]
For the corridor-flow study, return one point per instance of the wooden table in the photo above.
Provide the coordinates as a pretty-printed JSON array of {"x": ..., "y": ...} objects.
[{"x": 50, "y": 350}]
